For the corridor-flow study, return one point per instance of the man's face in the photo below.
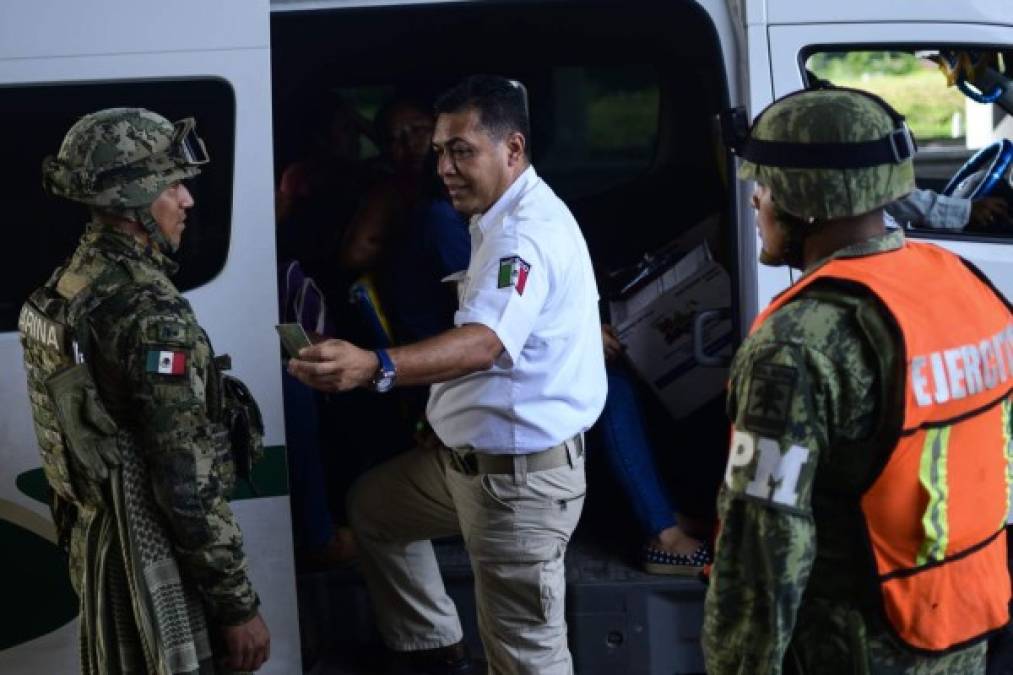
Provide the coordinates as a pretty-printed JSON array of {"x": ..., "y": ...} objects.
[
  {"x": 409, "y": 132},
  {"x": 476, "y": 168},
  {"x": 169, "y": 212},
  {"x": 771, "y": 233}
]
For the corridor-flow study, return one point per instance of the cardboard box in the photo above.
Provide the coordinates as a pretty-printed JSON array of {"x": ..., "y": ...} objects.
[{"x": 654, "y": 319}]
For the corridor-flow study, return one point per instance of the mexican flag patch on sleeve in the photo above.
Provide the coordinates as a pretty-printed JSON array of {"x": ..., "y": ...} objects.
[
  {"x": 513, "y": 271},
  {"x": 165, "y": 362}
]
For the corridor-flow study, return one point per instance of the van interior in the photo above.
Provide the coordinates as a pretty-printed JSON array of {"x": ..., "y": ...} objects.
[{"x": 621, "y": 101}]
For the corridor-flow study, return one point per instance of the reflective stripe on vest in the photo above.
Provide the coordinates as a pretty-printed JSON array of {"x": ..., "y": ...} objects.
[
  {"x": 935, "y": 515},
  {"x": 1007, "y": 430}
]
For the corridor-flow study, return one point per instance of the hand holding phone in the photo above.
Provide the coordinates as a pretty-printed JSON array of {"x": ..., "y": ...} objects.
[{"x": 293, "y": 338}]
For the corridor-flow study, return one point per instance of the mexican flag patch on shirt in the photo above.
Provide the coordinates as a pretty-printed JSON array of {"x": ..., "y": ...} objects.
[
  {"x": 513, "y": 271},
  {"x": 166, "y": 362}
]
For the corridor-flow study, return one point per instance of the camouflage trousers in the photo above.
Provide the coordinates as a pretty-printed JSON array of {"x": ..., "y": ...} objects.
[{"x": 832, "y": 639}]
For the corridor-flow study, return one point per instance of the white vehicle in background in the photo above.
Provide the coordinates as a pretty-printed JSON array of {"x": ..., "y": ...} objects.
[{"x": 623, "y": 96}]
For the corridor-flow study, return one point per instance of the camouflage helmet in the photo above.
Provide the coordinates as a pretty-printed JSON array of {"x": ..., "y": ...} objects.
[
  {"x": 829, "y": 153},
  {"x": 120, "y": 159}
]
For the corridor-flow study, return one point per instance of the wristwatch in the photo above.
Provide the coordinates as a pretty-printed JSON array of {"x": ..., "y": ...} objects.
[{"x": 386, "y": 373}]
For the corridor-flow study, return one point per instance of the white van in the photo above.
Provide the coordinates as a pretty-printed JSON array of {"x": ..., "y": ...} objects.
[{"x": 623, "y": 94}]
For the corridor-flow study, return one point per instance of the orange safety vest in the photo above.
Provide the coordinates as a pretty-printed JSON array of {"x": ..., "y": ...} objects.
[{"x": 936, "y": 513}]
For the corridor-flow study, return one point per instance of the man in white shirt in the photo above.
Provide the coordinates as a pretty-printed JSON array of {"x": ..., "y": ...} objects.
[{"x": 516, "y": 383}]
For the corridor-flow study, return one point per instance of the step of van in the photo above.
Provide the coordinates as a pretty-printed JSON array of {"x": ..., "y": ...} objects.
[{"x": 621, "y": 620}]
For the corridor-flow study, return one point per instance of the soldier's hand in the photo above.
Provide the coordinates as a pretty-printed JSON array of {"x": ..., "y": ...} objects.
[
  {"x": 248, "y": 645},
  {"x": 334, "y": 365}
]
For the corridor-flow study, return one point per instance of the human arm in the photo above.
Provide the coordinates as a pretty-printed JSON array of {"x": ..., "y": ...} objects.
[
  {"x": 766, "y": 546},
  {"x": 187, "y": 453},
  {"x": 336, "y": 365},
  {"x": 610, "y": 341},
  {"x": 927, "y": 208},
  {"x": 369, "y": 229},
  {"x": 800, "y": 388},
  {"x": 247, "y": 645},
  {"x": 809, "y": 386},
  {"x": 497, "y": 314}
]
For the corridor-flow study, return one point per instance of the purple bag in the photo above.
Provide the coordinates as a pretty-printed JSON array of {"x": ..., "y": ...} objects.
[{"x": 303, "y": 302}]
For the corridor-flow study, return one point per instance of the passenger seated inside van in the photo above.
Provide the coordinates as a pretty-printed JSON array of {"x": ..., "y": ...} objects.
[
  {"x": 317, "y": 198},
  {"x": 929, "y": 209},
  {"x": 410, "y": 234},
  {"x": 401, "y": 239},
  {"x": 321, "y": 184},
  {"x": 677, "y": 546}
]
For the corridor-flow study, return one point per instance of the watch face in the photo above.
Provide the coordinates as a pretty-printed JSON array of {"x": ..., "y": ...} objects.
[{"x": 383, "y": 383}]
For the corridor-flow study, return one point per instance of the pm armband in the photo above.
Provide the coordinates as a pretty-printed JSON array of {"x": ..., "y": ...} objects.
[{"x": 758, "y": 469}]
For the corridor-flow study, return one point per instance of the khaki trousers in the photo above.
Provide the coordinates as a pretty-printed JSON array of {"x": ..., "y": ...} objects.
[{"x": 515, "y": 527}]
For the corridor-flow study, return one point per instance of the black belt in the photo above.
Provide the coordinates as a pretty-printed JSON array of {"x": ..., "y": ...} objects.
[{"x": 474, "y": 463}]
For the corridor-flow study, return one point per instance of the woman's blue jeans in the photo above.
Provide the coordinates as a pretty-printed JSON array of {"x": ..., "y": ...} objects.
[{"x": 628, "y": 450}]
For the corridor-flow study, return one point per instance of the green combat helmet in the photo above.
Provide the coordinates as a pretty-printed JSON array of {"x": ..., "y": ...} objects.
[
  {"x": 825, "y": 154},
  {"x": 119, "y": 160},
  {"x": 830, "y": 153}
]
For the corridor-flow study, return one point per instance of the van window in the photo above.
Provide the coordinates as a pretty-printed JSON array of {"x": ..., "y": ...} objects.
[
  {"x": 42, "y": 230},
  {"x": 952, "y": 100},
  {"x": 600, "y": 125}
]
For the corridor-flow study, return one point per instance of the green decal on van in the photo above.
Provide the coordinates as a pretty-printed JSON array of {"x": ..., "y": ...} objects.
[{"x": 270, "y": 476}]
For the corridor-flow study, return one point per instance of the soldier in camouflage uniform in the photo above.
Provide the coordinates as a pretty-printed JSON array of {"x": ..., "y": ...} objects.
[
  {"x": 789, "y": 588},
  {"x": 136, "y": 423}
]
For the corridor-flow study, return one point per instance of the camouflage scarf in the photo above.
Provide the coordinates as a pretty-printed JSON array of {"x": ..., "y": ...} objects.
[{"x": 137, "y": 615}]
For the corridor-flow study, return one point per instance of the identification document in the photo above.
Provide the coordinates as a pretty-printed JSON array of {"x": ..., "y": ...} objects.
[{"x": 293, "y": 338}]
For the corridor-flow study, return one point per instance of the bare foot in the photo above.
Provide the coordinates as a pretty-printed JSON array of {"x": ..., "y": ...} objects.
[{"x": 674, "y": 540}]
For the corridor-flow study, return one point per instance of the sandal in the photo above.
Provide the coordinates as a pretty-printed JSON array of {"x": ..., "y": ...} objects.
[{"x": 660, "y": 561}]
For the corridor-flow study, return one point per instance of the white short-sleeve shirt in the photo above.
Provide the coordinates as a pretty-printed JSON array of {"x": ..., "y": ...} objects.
[{"x": 530, "y": 281}]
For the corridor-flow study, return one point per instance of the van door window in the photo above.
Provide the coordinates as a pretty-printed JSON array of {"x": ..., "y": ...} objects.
[
  {"x": 42, "y": 230},
  {"x": 957, "y": 102},
  {"x": 600, "y": 126}
]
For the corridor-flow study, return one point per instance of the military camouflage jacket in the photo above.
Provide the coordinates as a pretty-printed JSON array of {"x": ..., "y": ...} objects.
[
  {"x": 153, "y": 365},
  {"x": 791, "y": 589}
]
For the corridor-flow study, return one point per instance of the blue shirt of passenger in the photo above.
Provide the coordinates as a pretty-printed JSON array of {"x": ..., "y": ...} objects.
[{"x": 433, "y": 244}]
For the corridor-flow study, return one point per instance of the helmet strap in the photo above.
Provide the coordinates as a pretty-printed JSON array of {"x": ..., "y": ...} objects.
[
  {"x": 795, "y": 230},
  {"x": 143, "y": 216}
]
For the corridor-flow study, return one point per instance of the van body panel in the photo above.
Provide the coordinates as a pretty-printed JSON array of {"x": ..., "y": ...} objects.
[
  {"x": 870, "y": 12},
  {"x": 31, "y": 29},
  {"x": 114, "y": 41}
]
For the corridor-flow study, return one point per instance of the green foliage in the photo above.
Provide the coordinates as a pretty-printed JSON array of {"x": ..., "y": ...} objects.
[
  {"x": 850, "y": 65},
  {"x": 623, "y": 122},
  {"x": 914, "y": 87}
]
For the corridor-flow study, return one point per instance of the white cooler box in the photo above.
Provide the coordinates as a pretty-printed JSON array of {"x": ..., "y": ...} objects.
[{"x": 654, "y": 320}]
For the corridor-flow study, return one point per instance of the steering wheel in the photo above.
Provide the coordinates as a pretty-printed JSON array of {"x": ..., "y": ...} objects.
[{"x": 980, "y": 174}]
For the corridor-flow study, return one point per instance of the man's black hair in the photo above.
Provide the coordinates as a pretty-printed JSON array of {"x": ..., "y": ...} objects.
[{"x": 501, "y": 104}]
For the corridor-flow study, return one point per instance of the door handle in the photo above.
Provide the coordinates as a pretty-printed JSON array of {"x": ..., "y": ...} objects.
[{"x": 700, "y": 322}]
